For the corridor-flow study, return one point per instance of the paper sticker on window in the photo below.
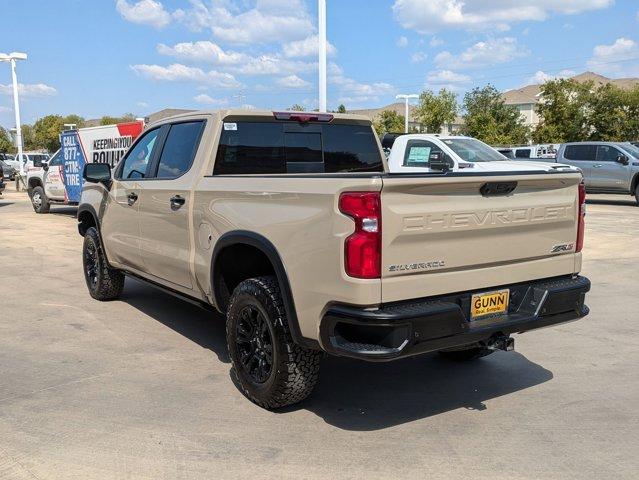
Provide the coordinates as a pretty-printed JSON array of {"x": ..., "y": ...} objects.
[
  {"x": 230, "y": 126},
  {"x": 419, "y": 154}
]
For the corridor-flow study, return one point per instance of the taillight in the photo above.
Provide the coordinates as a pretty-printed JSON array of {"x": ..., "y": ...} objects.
[
  {"x": 303, "y": 117},
  {"x": 581, "y": 223},
  {"x": 363, "y": 249}
]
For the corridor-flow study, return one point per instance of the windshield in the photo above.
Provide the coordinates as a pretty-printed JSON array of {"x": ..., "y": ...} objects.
[
  {"x": 472, "y": 150},
  {"x": 631, "y": 149}
]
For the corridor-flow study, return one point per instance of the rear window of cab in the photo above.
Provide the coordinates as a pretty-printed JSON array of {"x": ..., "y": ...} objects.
[{"x": 291, "y": 147}]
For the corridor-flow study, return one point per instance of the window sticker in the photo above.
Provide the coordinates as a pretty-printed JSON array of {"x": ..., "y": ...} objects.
[
  {"x": 419, "y": 154},
  {"x": 230, "y": 126}
]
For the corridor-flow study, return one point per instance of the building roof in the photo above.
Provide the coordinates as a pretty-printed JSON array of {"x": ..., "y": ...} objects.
[{"x": 530, "y": 93}]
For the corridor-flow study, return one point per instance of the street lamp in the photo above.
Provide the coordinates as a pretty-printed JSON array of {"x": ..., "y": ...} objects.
[
  {"x": 406, "y": 98},
  {"x": 11, "y": 58},
  {"x": 321, "y": 17}
]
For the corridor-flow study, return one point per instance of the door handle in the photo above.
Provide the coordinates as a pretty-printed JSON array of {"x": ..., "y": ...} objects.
[
  {"x": 177, "y": 201},
  {"x": 132, "y": 198}
]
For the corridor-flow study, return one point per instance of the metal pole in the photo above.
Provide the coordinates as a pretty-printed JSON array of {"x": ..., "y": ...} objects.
[
  {"x": 321, "y": 7},
  {"x": 16, "y": 109},
  {"x": 406, "y": 117}
]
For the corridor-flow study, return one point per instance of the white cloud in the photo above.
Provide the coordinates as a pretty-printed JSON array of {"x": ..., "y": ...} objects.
[
  {"x": 306, "y": 48},
  {"x": 482, "y": 54},
  {"x": 144, "y": 12},
  {"x": 429, "y": 16},
  {"x": 205, "y": 99},
  {"x": 436, "y": 42},
  {"x": 354, "y": 92},
  {"x": 202, "y": 52},
  {"x": 4, "y": 109},
  {"x": 34, "y": 90},
  {"x": 617, "y": 59},
  {"x": 292, "y": 81},
  {"x": 272, "y": 65},
  {"x": 181, "y": 73},
  {"x": 269, "y": 21},
  {"x": 142, "y": 104},
  {"x": 446, "y": 79},
  {"x": 418, "y": 57},
  {"x": 542, "y": 77},
  {"x": 402, "y": 42}
]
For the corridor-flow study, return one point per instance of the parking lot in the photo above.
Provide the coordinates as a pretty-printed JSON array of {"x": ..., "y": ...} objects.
[{"x": 140, "y": 387}]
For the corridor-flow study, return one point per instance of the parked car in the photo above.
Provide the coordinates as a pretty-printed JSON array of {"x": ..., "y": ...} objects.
[
  {"x": 535, "y": 151},
  {"x": 2, "y": 186},
  {"x": 608, "y": 167},
  {"x": 7, "y": 171},
  {"x": 29, "y": 160},
  {"x": 291, "y": 224}
]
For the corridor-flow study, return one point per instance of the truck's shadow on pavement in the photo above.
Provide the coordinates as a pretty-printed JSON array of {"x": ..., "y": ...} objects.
[
  {"x": 360, "y": 396},
  {"x": 355, "y": 395}
]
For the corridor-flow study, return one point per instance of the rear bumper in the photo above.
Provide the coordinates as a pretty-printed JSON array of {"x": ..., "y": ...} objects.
[{"x": 408, "y": 328}]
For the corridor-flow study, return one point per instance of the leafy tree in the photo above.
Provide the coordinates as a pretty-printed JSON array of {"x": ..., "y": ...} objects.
[
  {"x": 436, "y": 110},
  {"x": 341, "y": 108},
  {"x": 108, "y": 120},
  {"x": 46, "y": 130},
  {"x": 489, "y": 119},
  {"x": 28, "y": 137},
  {"x": 297, "y": 108},
  {"x": 564, "y": 111},
  {"x": 389, "y": 121},
  {"x": 6, "y": 146}
]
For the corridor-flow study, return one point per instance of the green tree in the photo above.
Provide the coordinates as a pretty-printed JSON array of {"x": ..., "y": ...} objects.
[
  {"x": 28, "y": 137},
  {"x": 489, "y": 119},
  {"x": 341, "y": 108},
  {"x": 389, "y": 121},
  {"x": 109, "y": 120},
  {"x": 564, "y": 110},
  {"x": 6, "y": 146},
  {"x": 46, "y": 132},
  {"x": 436, "y": 110},
  {"x": 297, "y": 108}
]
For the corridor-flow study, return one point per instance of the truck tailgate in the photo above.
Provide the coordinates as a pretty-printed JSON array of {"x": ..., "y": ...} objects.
[{"x": 443, "y": 234}]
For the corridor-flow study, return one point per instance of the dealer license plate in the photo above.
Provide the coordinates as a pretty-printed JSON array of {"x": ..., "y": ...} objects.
[{"x": 489, "y": 303}]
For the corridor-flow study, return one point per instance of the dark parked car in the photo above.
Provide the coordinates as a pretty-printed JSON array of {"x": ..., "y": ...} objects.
[{"x": 7, "y": 171}]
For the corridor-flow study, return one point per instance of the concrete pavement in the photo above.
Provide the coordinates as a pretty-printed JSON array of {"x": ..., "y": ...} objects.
[{"x": 139, "y": 388}]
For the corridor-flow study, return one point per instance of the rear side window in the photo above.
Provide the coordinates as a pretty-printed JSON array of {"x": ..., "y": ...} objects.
[
  {"x": 179, "y": 149},
  {"x": 581, "y": 152},
  {"x": 288, "y": 147},
  {"x": 522, "y": 153}
]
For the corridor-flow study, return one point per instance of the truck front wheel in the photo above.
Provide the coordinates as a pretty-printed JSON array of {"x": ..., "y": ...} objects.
[
  {"x": 39, "y": 200},
  {"x": 269, "y": 368},
  {"x": 103, "y": 282}
]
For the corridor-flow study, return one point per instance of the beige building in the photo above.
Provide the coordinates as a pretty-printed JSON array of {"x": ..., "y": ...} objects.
[{"x": 527, "y": 98}]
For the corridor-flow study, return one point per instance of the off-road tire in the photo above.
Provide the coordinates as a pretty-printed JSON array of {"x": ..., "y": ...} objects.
[
  {"x": 294, "y": 370},
  {"x": 466, "y": 355},
  {"x": 39, "y": 200},
  {"x": 104, "y": 283}
]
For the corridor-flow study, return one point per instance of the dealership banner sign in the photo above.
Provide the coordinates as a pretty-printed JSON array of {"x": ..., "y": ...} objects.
[{"x": 104, "y": 144}]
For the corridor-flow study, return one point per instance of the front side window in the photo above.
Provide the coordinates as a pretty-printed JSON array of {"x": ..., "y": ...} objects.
[
  {"x": 418, "y": 153},
  {"x": 179, "y": 149},
  {"x": 607, "y": 153},
  {"x": 137, "y": 161},
  {"x": 587, "y": 153}
]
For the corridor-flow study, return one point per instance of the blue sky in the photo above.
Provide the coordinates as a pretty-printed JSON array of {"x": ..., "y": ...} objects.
[{"x": 103, "y": 57}]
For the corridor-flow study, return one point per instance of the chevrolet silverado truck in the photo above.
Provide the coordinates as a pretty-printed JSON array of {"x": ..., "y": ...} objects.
[{"x": 292, "y": 226}]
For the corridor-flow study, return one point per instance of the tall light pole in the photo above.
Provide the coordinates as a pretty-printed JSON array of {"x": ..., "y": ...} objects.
[
  {"x": 406, "y": 98},
  {"x": 11, "y": 58},
  {"x": 321, "y": 9}
]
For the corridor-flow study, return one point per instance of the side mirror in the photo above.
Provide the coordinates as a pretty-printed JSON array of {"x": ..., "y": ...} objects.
[
  {"x": 45, "y": 166},
  {"x": 97, "y": 173},
  {"x": 439, "y": 162},
  {"x": 623, "y": 160}
]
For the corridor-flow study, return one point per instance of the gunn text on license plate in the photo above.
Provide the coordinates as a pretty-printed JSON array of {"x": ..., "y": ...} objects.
[{"x": 489, "y": 303}]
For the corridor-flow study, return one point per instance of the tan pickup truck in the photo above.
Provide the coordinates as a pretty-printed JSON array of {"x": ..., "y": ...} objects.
[{"x": 291, "y": 225}]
